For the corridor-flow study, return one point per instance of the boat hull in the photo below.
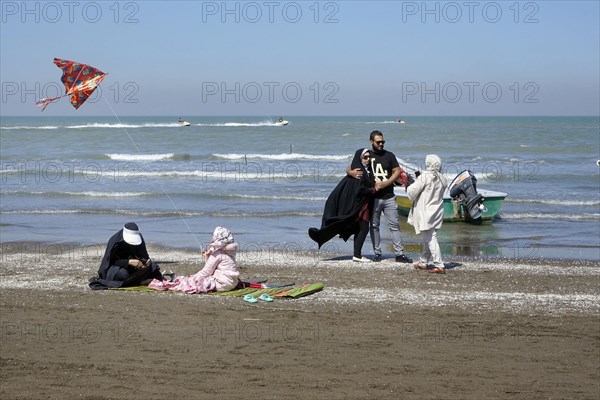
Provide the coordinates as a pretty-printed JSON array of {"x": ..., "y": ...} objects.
[{"x": 454, "y": 211}]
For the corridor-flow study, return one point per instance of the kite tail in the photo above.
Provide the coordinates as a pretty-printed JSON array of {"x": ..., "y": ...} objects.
[{"x": 44, "y": 102}]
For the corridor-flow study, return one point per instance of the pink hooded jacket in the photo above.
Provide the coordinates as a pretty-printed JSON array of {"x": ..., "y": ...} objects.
[
  {"x": 220, "y": 271},
  {"x": 222, "y": 267}
]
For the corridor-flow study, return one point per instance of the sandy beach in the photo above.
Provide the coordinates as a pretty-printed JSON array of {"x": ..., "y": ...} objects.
[{"x": 495, "y": 329}]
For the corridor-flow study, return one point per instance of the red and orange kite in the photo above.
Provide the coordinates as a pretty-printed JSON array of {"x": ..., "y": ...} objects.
[{"x": 80, "y": 81}]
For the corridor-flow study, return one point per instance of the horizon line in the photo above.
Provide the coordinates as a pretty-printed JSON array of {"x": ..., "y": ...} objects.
[{"x": 303, "y": 115}]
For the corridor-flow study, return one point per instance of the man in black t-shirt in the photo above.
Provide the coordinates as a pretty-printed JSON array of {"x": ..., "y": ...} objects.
[{"x": 385, "y": 170}]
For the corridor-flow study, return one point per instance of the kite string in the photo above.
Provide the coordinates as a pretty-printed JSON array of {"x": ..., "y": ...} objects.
[{"x": 159, "y": 183}]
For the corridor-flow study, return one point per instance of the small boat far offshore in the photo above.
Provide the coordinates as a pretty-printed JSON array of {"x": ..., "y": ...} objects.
[{"x": 281, "y": 122}]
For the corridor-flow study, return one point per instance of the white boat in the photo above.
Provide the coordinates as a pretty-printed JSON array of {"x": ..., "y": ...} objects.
[
  {"x": 184, "y": 123},
  {"x": 477, "y": 206},
  {"x": 281, "y": 122}
]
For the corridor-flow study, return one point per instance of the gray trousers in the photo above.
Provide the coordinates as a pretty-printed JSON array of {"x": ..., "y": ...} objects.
[{"x": 390, "y": 209}]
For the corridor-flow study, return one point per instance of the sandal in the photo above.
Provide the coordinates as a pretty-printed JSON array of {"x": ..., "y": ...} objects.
[
  {"x": 437, "y": 270},
  {"x": 250, "y": 299},
  {"x": 265, "y": 297},
  {"x": 420, "y": 266}
]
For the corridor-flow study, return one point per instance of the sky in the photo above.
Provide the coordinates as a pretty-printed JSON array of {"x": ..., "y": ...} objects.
[{"x": 272, "y": 58}]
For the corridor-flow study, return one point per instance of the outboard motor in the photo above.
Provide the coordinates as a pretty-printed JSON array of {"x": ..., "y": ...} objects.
[{"x": 464, "y": 189}]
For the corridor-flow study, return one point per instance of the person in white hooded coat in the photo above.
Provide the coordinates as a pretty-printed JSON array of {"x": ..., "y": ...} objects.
[{"x": 427, "y": 213}]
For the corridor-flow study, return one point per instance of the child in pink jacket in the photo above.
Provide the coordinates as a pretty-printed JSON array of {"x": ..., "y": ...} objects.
[{"x": 220, "y": 271}]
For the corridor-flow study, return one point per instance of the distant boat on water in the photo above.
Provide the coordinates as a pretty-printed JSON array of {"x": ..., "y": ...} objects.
[{"x": 281, "y": 122}]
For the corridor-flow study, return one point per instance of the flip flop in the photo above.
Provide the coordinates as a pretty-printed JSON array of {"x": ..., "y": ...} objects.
[
  {"x": 437, "y": 270},
  {"x": 265, "y": 297},
  {"x": 250, "y": 299}
]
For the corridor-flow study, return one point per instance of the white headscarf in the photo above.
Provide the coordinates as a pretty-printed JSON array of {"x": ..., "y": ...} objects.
[
  {"x": 433, "y": 163},
  {"x": 362, "y": 153}
]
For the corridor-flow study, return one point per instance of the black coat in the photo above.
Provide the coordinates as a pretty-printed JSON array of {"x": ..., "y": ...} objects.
[
  {"x": 118, "y": 253},
  {"x": 343, "y": 206},
  {"x": 115, "y": 270}
]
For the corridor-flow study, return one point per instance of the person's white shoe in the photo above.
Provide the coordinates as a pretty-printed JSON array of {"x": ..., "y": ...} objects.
[{"x": 362, "y": 259}]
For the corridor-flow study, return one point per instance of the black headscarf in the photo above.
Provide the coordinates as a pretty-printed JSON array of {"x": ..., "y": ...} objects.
[{"x": 342, "y": 208}]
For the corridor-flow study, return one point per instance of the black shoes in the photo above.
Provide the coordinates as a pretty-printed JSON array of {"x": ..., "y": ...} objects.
[{"x": 403, "y": 259}]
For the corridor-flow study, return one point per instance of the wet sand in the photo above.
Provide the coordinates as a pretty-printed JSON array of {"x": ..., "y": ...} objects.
[{"x": 495, "y": 329}]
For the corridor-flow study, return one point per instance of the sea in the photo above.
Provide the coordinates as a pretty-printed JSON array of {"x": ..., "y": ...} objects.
[{"x": 74, "y": 181}]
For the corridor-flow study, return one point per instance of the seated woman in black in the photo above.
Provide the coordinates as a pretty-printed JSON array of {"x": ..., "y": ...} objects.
[{"x": 126, "y": 261}]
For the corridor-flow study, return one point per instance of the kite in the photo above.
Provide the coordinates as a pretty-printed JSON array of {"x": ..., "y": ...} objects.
[{"x": 80, "y": 81}]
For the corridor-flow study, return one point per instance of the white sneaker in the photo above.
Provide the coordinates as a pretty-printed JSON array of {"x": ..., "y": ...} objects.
[{"x": 362, "y": 259}]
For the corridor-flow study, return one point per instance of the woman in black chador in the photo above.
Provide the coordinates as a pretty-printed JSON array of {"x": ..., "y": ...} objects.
[
  {"x": 348, "y": 208},
  {"x": 126, "y": 261}
]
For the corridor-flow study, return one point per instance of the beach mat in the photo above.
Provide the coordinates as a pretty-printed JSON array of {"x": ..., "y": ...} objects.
[
  {"x": 136, "y": 289},
  {"x": 245, "y": 282},
  {"x": 292, "y": 292}
]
